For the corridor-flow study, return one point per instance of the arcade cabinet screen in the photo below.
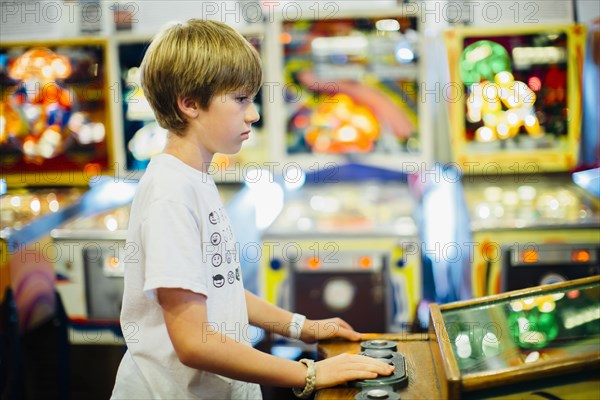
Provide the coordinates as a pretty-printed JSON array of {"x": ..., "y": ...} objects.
[
  {"x": 515, "y": 90},
  {"x": 143, "y": 136},
  {"x": 351, "y": 85},
  {"x": 53, "y": 109}
]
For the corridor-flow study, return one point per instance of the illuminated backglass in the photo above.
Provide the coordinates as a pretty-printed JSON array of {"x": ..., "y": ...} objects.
[
  {"x": 351, "y": 89},
  {"x": 54, "y": 124},
  {"x": 517, "y": 96}
]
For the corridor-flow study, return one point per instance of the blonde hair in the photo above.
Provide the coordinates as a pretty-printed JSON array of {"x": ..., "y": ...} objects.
[{"x": 199, "y": 59}]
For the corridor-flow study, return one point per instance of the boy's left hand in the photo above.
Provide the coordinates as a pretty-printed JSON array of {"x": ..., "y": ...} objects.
[{"x": 320, "y": 329}]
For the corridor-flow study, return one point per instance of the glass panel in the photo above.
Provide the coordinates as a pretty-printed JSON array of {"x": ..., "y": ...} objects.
[
  {"x": 503, "y": 202},
  {"x": 367, "y": 208},
  {"x": 512, "y": 332},
  {"x": 21, "y": 206}
]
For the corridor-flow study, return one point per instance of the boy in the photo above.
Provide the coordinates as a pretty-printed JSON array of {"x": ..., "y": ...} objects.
[{"x": 185, "y": 311}]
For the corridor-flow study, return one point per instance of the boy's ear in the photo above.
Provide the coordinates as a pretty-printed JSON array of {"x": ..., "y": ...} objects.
[{"x": 189, "y": 107}]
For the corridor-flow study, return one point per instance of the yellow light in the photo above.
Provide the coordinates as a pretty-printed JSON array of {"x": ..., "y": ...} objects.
[
  {"x": 513, "y": 118},
  {"x": 111, "y": 223},
  {"x": 35, "y": 205},
  {"x": 490, "y": 119},
  {"x": 503, "y": 130},
  {"x": 504, "y": 78},
  {"x": 491, "y": 105},
  {"x": 475, "y": 100},
  {"x": 53, "y": 205},
  {"x": 547, "y": 306},
  {"x": 490, "y": 91},
  {"x": 474, "y": 115},
  {"x": 484, "y": 134},
  {"x": 532, "y": 125}
]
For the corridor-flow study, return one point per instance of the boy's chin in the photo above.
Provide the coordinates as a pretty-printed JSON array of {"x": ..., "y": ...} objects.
[{"x": 229, "y": 152}]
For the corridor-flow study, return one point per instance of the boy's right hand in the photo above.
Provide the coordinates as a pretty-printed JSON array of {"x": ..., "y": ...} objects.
[{"x": 348, "y": 367}]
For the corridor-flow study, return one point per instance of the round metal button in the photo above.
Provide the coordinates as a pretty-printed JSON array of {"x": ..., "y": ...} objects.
[
  {"x": 377, "y": 394},
  {"x": 379, "y": 353}
]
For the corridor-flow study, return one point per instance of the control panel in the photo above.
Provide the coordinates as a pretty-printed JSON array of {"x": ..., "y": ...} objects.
[{"x": 382, "y": 387}]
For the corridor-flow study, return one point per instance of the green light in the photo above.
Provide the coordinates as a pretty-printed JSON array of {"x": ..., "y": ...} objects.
[
  {"x": 533, "y": 329},
  {"x": 482, "y": 60}
]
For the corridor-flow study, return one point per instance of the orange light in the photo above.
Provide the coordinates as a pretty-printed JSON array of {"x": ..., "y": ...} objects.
[
  {"x": 365, "y": 262},
  {"x": 301, "y": 121},
  {"x": 314, "y": 263},
  {"x": 530, "y": 256},
  {"x": 581, "y": 256},
  {"x": 285, "y": 38},
  {"x": 113, "y": 262}
]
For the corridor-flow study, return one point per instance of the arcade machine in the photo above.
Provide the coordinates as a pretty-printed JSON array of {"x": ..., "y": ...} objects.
[
  {"x": 345, "y": 242},
  {"x": 55, "y": 139},
  {"x": 516, "y": 137},
  {"x": 539, "y": 342}
]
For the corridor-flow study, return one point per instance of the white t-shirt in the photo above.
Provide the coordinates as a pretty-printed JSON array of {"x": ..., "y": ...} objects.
[{"x": 179, "y": 237}]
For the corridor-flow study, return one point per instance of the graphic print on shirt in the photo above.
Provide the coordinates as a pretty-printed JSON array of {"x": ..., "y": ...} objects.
[
  {"x": 217, "y": 259},
  {"x": 213, "y": 218},
  {"x": 222, "y": 251},
  {"x": 218, "y": 280},
  {"x": 215, "y": 238}
]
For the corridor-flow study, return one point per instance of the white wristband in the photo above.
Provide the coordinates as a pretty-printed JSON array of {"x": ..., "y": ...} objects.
[{"x": 295, "y": 329}]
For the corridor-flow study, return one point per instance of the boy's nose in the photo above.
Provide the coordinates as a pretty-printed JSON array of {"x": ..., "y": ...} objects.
[{"x": 251, "y": 114}]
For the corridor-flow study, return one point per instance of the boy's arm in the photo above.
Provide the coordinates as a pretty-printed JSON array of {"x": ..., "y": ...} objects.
[
  {"x": 198, "y": 345},
  {"x": 274, "y": 319}
]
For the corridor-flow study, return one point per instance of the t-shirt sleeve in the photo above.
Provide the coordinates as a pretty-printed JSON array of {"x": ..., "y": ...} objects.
[{"x": 171, "y": 235}]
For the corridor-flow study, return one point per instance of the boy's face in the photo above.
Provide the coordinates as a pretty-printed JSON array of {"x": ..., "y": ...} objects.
[{"x": 227, "y": 122}]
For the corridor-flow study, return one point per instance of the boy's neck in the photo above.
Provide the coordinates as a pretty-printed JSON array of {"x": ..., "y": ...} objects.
[{"x": 188, "y": 151}]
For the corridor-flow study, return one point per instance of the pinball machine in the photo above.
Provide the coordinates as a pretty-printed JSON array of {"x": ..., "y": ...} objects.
[
  {"x": 539, "y": 342},
  {"x": 349, "y": 117},
  {"x": 348, "y": 249},
  {"x": 55, "y": 144},
  {"x": 55, "y": 140},
  {"x": 516, "y": 135}
]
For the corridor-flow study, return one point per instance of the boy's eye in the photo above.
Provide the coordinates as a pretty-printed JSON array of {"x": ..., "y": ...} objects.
[{"x": 245, "y": 99}]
